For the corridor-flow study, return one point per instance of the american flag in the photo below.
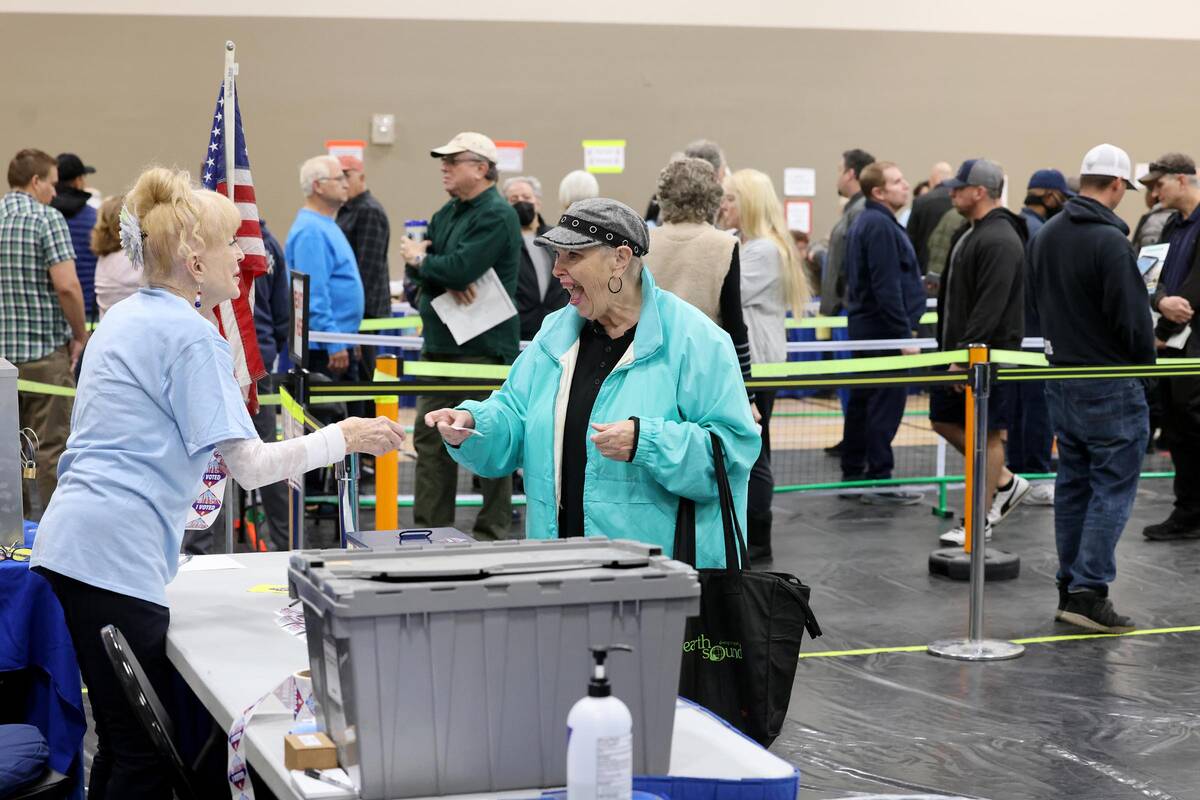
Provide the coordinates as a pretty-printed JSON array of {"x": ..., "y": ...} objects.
[{"x": 236, "y": 317}]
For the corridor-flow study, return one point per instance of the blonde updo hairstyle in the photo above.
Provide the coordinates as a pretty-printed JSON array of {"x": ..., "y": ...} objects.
[{"x": 179, "y": 220}]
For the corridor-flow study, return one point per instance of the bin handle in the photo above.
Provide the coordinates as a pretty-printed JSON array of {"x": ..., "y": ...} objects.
[{"x": 513, "y": 569}]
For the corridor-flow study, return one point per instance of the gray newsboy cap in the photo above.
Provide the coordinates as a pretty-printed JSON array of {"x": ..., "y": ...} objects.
[{"x": 598, "y": 220}]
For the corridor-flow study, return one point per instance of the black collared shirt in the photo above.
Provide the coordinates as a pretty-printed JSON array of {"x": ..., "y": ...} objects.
[{"x": 598, "y": 354}]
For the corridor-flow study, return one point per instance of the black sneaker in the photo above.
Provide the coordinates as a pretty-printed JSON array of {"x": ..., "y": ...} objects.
[
  {"x": 1063, "y": 594},
  {"x": 1088, "y": 609},
  {"x": 834, "y": 450},
  {"x": 1172, "y": 529}
]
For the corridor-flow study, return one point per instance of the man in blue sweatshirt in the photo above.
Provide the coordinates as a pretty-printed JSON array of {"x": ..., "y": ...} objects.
[
  {"x": 884, "y": 300},
  {"x": 1093, "y": 308}
]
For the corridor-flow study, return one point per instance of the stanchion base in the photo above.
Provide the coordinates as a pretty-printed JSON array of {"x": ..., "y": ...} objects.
[
  {"x": 942, "y": 513},
  {"x": 955, "y": 564},
  {"x": 976, "y": 649}
]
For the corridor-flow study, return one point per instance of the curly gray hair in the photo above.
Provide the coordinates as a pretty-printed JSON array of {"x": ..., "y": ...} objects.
[{"x": 688, "y": 191}]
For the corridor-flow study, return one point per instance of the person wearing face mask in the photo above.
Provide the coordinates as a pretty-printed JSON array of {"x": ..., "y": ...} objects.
[
  {"x": 1030, "y": 434},
  {"x": 1045, "y": 196},
  {"x": 538, "y": 291},
  {"x": 157, "y": 400},
  {"x": 609, "y": 409}
]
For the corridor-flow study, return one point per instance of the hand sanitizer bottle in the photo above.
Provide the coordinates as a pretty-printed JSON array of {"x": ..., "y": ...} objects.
[{"x": 600, "y": 740}]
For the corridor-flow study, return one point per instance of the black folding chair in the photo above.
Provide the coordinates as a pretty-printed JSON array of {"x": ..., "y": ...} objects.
[{"x": 149, "y": 711}]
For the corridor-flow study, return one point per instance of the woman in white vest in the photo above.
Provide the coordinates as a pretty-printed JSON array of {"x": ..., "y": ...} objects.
[
  {"x": 772, "y": 281},
  {"x": 696, "y": 261}
]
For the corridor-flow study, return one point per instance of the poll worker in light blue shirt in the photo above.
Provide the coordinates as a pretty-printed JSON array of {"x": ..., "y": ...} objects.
[
  {"x": 156, "y": 399},
  {"x": 317, "y": 247}
]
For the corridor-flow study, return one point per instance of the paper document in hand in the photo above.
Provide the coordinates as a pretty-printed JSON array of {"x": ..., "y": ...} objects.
[
  {"x": 492, "y": 306},
  {"x": 1150, "y": 263},
  {"x": 470, "y": 431}
]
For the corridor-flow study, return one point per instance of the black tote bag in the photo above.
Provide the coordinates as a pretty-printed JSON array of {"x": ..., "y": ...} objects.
[{"x": 740, "y": 653}]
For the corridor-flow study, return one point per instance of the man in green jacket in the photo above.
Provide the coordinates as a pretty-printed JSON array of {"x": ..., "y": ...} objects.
[{"x": 476, "y": 231}]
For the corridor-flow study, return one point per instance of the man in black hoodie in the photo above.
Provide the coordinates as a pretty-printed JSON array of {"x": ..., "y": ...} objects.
[
  {"x": 981, "y": 301},
  {"x": 1091, "y": 301}
]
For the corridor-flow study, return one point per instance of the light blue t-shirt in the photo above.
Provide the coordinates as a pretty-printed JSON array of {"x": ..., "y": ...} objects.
[
  {"x": 317, "y": 247},
  {"x": 156, "y": 393}
]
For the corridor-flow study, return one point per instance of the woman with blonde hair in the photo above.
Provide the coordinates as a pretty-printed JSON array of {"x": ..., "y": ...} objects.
[
  {"x": 772, "y": 282},
  {"x": 116, "y": 277},
  {"x": 156, "y": 403}
]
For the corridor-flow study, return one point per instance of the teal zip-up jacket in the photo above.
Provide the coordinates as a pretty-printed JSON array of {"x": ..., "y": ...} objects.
[{"x": 680, "y": 378}]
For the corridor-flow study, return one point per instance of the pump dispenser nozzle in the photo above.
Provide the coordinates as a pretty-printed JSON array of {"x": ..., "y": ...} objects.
[{"x": 598, "y": 686}]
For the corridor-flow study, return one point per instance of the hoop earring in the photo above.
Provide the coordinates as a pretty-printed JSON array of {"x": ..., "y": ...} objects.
[
  {"x": 197, "y": 303},
  {"x": 620, "y": 284}
]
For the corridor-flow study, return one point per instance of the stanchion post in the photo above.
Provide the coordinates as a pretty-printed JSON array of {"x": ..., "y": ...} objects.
[
  {"x": 387, "y": 467},
  {"x": 346, "y": 472},
  {"x": 975, "y": 647},
  {"x": 296, "y": 493}
]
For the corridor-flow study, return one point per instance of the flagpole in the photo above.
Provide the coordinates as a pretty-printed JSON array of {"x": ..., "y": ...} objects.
[{"x": 229, "y": 119}]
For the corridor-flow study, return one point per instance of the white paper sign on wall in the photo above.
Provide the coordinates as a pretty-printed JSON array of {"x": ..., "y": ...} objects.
[
  {"x": 604, "y": 156},
  {"x": 511, "y": 155},
  {"x": 799, "y": 215},
  {"x": 799, "y": 182},
  {"x": 346, "y": 147}
]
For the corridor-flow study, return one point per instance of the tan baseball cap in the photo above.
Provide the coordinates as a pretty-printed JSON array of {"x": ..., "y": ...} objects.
[{"x": 468, "y": 142}]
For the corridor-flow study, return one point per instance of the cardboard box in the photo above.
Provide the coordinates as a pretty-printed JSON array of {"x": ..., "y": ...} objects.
[{"x": 309, "y": 751}]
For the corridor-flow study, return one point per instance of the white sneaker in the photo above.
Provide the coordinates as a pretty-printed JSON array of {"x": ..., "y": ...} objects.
[
  {"x": 1008, "y": 499},
  {"x": 957, "y": 537},
  {"x": 1041, "y": 495}
]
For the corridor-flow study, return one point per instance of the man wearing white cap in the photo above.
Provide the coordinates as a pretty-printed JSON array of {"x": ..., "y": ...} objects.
[
  {"x": 476, "y": 231},
  {"x": 1093, "y": 307}
]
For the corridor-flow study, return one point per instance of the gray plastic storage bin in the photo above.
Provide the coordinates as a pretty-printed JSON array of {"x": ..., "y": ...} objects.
[{"x": 446, "y": 669}]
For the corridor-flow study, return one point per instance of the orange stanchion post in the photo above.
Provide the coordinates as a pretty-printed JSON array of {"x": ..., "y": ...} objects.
[
  {"x": 975, "y": 355},
  {"x": 387, "y": 467}
]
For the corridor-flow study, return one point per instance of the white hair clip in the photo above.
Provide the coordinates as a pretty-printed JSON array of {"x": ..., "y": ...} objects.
[{"x": 132, "y": 237}]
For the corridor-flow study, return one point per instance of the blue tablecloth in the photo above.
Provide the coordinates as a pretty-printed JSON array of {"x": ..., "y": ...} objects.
[{"x": 33, "y": 635}]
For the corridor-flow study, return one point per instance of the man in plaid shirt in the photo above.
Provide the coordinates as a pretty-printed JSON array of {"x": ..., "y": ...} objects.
[
  {"x": 42, "y": 327},
  {"x": 365, "y": 224}
]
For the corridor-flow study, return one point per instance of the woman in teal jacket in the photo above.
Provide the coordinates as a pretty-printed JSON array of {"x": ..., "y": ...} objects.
[{"x": 609, "y": 409}]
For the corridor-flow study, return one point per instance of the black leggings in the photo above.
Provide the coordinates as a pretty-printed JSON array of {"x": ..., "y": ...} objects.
[
  {"x": 762, "y": 482},
  {"x": 126, "y": 766}
]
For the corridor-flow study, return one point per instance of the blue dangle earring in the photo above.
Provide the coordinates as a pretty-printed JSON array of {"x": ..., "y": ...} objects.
[{"x": 197, "y": 296}]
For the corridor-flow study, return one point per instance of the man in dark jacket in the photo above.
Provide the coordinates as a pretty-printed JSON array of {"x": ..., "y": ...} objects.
[
  {"x": 365, "y": 223},
  {"x": 538, "y": 291},
  {"x": 71, "y": 199},
  {"x": 833, "y": 278},
  {"x": 884, "y": 300},
  {"x": 927, "y": 211},
  {"x": 272, "y": 316},
  {"x": 474, "y": 232},
  {"x": 1091, "y": 301},
  {"x": 1173, "y": 178},
  {"x": 1030, "y": 435},
  {"x": 981, "y": 301}
]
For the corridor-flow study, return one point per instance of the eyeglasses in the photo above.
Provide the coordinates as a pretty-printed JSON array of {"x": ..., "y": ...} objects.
[
  {"x": 15, "y": 552},
  {"x": 339, "y": 179},
  {"x": 450, "y": 161}
]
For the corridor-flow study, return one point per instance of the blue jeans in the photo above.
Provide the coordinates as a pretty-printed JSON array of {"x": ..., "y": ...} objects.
[{"x": 1102, "y": 430}]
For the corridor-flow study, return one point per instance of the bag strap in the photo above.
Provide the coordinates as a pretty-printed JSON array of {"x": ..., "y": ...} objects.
[
  {"x": 732, "y": 529},
  {"x": 685, "y": 532}
]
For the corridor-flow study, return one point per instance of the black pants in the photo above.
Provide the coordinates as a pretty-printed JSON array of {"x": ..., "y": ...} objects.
[
  {"x": 1181, "y": 423},
  {"x": 762, "y": 482},
  {"x": 126, "y": 766}
]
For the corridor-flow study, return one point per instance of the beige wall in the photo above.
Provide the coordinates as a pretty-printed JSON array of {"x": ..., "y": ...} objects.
[{"x": 128, "y": 91}]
